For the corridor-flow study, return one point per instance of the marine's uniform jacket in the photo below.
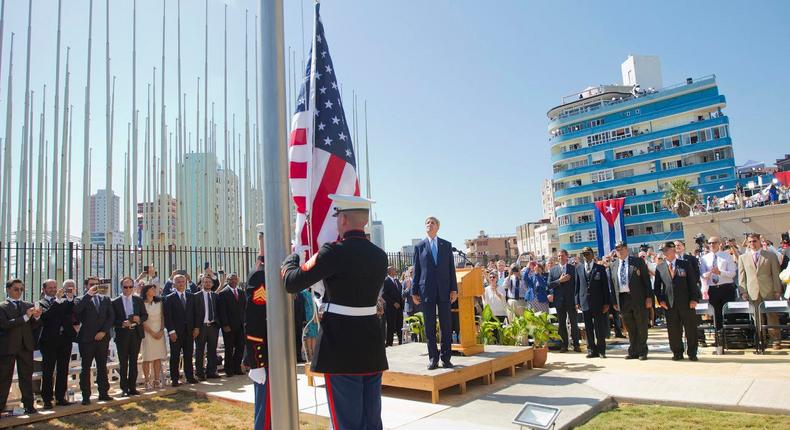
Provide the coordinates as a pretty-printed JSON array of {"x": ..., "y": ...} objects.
[
  {"x": 353, "y": 270},
  {"x": 256, "y": 351}
]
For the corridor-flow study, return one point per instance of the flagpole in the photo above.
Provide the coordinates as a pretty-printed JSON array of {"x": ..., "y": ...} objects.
[
  {"x": 6, "y": 204},
  {"x": 247, "y": 213},
  {"x": 55, "y": 132},
  {"x": 108, "y": 129},
  {"x": 65, "y": 146},
  {"x": 162, "y": 239},
  {"x": 40, "y": 215},
  {"x": 226, "y": 208},
  {"x": 22, "y": 220},
  {"x": 86, "y": 184},
  {"x": 179, "y": 140},
  {"x": 135, "y": 120},
  {"x": 282, "y": 370}
]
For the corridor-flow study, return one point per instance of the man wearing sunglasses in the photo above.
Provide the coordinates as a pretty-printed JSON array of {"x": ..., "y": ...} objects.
[
  {"x": 130, "y": 314},
  {"x": 18, "y": 319},
  {"x": 718, "y": 272},
  {"x": 758, "y": 280}
]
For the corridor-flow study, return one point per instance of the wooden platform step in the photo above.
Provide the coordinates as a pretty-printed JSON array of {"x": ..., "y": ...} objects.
[{"x": 408, "y": 368}]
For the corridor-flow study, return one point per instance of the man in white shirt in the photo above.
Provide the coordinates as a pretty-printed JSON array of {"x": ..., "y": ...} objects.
[{"x": 718, "y": 274}]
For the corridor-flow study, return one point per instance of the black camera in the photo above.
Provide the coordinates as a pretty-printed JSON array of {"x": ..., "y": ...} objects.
[{"x": 699, "y": 239}]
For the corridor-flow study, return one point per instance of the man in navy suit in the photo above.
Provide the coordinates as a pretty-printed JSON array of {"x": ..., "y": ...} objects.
[
  {"x": 96, "y": 314},
  {"x": 180, "y": 321},
  {"x": 435, "y": 287},
  {"x": 562, "y": 284}
]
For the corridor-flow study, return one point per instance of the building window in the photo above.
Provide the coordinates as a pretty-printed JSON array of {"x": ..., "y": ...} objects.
[
  {"x": 676, "y": 226},
  {"x": 604, "y": 175}
]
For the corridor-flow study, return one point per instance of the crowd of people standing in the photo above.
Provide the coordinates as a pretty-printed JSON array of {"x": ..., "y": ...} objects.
[{"x": 147, "y": 322}]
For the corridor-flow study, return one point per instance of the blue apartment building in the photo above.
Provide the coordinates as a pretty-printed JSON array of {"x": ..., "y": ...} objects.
[{"x": 630, "y": 141}]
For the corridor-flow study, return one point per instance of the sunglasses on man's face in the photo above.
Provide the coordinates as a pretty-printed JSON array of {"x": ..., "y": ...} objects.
[{"x": 128, "y": 287}]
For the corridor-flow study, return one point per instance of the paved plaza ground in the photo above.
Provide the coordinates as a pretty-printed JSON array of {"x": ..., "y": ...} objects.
[{"x": 581, "y": 387}]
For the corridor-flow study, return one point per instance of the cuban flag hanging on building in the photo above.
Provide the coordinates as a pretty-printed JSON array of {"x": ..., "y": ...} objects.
[{"x": 609, "y": 224}]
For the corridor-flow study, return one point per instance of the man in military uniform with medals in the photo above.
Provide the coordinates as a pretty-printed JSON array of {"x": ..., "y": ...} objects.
[
  {"x": 256, "y": 351},
  {"x": 593, "y": 296},
  {"x": 350, "y": 347}
]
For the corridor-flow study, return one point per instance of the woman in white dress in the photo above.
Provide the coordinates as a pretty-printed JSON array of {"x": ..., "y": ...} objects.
[{"x": 153, "y": 347}]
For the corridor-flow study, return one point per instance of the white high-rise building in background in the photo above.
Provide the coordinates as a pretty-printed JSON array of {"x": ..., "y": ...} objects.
[
  {"x": 377, "y": 233},
  {"x": 98, "y": 217},
  {"x": 547, "y": 200},
  {"x": 206, "y": 200}
]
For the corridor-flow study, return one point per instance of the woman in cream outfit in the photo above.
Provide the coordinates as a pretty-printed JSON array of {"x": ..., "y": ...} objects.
[{"x": 153, "y": 348}]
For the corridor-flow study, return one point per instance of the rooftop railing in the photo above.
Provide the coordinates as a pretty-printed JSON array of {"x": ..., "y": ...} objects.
[{"x": 615, "y": 101}]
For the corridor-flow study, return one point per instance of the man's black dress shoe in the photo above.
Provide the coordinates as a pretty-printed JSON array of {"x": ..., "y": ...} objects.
[
  {"x": 630, "y": 357},
  {"x": 643, "y": 357},
  {"x": 175, "y": 384},
  {"x": 31, "y": 410},
  {"x": 433, "y": 365},
  {"x": 447, "y": 364},
  {"x": 693, "y": 358},
  {"x": 213, "y": 376},
  {"x": 106, "y": 398},
  {"x": 133, "y": 393},
  {"x": 192, "y": 380},
  {"x": 63, "y": 402},
  {"x": 86, "y": 402},
  {"x": 592, "y": 355},
  {"x": 48, "y": 405}
]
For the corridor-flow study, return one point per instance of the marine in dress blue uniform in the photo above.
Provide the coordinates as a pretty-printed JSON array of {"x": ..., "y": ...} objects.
[
  {"x": 350, "y": 347},
  {"x": 256, "y": 350}
]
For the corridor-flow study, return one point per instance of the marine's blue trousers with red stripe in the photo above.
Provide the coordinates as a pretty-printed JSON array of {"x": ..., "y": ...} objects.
[
  {"x": 263, "y": 419},
  {"x": 354, "y": 401}
]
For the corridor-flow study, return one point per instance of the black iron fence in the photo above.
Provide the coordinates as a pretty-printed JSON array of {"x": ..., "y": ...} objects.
[
  {"x": 34, "y": 263},
  {"x": 401, "y": 261}
]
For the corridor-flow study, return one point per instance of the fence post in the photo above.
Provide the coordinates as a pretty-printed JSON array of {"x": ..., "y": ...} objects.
[{"x": 71, "y": 260}]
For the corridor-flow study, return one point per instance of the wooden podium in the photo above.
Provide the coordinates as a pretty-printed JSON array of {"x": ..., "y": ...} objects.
[{"x": 470, "y": 285}]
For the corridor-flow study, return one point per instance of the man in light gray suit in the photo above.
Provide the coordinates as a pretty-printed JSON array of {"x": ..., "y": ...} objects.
[{"x": 758, "y": 280}]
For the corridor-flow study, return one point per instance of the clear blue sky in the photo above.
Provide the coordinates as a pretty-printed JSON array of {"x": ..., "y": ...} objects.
[{"x": 457, "y": 91}]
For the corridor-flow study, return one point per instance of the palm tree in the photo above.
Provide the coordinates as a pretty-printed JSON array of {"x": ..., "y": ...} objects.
[{"x": 680, "y": 197}]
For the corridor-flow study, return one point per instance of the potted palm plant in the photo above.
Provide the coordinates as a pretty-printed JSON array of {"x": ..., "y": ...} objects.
[{"x": 541, "y": 329}]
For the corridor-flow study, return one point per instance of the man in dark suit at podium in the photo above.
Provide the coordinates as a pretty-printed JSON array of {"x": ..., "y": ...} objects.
[{"x": 435, "y": 286}]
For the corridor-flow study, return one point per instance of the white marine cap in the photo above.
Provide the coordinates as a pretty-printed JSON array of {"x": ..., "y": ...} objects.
[{"x": 346, "y": 202}]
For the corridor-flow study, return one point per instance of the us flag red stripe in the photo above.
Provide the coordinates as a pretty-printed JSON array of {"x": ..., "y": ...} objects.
[{"x": 321, "y": 155}]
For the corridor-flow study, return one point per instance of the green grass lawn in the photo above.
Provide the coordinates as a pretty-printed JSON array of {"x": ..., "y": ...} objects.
[
  {"x": 654, "y": 417},
  {"x": 176, "y": 411}
]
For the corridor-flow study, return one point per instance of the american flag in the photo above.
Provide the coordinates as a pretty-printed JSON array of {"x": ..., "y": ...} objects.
[{"x": 321, "y": 156}]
